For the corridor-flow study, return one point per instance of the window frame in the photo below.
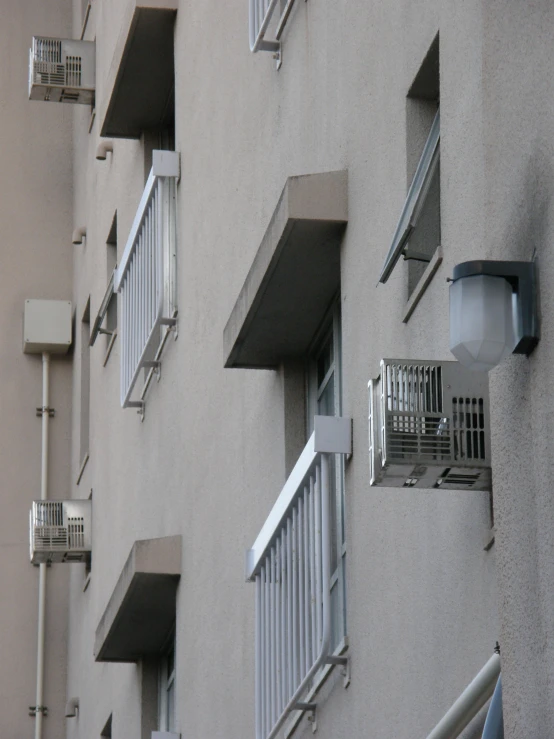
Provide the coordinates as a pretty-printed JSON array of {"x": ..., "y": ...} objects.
[
  {"x": 331, "y": 329},
  {"x": 166, "y": 686},
  {"x": 414, "y": 203}
]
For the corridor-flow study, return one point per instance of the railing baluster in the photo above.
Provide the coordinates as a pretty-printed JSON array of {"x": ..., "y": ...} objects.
[
  {"x": 291, "y": 603},
  {"x": 284, "y": 611},
  {"x": 277, "y": 632},
  {"x": 294, "y": 624},
  {"x": 259, "y": 655},
  {"x": 267, "y": 700},
  {"x": 300, "y": 613},
  {"x": 312, "y": 573},
  {"x": 317, "y": 527},
  {"x": 306, "y": 579}
]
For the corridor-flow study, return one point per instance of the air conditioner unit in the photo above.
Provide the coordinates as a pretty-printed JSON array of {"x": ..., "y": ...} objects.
[
  {"x": 60, "y": 531},
  {"x": 62, "y": 70},
  {"x": 429, "y": 426}
]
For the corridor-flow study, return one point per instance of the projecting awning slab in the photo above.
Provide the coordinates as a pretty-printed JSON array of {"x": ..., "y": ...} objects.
[
  {"x": 139, "y": 91},
  {"x": 294, "y": 276},
  {"x": 141, "y": 610}
]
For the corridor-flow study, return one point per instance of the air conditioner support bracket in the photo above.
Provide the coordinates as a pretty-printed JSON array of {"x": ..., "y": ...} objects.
[{"x": 345, "y": 662}]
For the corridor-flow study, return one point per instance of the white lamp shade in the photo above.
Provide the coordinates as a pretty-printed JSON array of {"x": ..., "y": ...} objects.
[{"x": 481, "y": 321}]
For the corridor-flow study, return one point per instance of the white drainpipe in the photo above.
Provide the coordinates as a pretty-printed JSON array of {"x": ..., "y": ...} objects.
[
  {"x": 470, "y": 702},
  {"x": 39, "y": 710}
]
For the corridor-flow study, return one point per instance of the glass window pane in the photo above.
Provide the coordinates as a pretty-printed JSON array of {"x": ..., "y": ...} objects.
[
  {"x": 326, "y": 402},
  {"x": 324, "y": 360}
]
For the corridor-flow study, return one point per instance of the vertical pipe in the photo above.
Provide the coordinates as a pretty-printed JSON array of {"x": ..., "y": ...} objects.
[{"x": 42, "y": 568}]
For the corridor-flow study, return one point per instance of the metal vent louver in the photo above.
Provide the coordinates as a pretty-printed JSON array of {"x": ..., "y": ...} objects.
[
  {"x": 60, "y": 531},
  {"x": 429, "y": 426},
  {"x": 62, "y": 70}
]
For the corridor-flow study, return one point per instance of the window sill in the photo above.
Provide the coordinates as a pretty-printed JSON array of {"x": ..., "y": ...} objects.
[
  {"x": 82, "y": 468},
  {"x": 319, "y": 681},
  {"x": 422, "y": 285}
]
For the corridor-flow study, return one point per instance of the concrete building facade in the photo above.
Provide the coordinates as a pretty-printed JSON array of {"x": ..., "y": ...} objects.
[{"x": 226, "y": 295}]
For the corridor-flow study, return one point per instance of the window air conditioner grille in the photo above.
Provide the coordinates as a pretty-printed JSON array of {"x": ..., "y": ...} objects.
[
  {"x": 420, "y": 439},
  {"x": 73, "y": 69},
  {"x": 429, "y": 426},
  {"x": 468, "y": 423},
  {"x": 50, "y": 537},
  {"x": 49, "y": 513},
  {"x": 47, "y": 50},
  {"x": 76, "y": 532},
  {"x": 47, "y": 73}
]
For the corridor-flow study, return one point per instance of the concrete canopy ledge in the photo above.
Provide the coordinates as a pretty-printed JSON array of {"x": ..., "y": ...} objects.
[
  {"x": 141, "y": 610},
  {"x": 139, "y": 90},
  {"x": 294, "y": 276}
]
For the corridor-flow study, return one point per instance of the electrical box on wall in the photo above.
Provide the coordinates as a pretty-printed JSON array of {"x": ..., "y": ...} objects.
[{"x": 47, "y": 326}]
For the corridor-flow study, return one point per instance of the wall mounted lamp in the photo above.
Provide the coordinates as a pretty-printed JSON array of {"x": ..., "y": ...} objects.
[
  {"x": 103, "y": 148},
  {"x": 493, "y": 312},
  {"x": 78, "y": 235}
]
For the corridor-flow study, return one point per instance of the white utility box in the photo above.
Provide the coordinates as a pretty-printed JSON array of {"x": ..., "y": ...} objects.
[{"x": 47, "y": 326}]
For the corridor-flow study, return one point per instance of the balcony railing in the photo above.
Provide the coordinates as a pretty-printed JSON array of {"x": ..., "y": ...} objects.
[
  {"x": 146, "y": 275},
  {"x": 261, "y": 13},
  {"x": 290, "y": 564}
]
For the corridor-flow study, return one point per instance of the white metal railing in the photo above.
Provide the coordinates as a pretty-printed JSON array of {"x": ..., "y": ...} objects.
[
  {"x": 146, "y": 273},
  {"x": 290, "y": 564},
  {"x": 260, "y": 14}
]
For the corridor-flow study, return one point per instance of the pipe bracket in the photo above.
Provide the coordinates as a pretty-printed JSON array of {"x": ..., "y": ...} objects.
[
  {"x": 44, "y": 409},
  {"x": 34, "y": 710}
]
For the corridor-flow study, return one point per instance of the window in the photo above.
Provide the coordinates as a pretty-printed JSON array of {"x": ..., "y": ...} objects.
[
  {"x": 166, "y": 702},
  {"x": 85, "y": 390},
  {"x": 106, "y": 318},
  {"x": 324, "y": 399},
  {"x": 418, "y": 234}
]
